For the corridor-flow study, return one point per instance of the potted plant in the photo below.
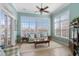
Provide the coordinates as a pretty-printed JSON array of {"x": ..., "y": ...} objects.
[{"x": 75, "y": 22}]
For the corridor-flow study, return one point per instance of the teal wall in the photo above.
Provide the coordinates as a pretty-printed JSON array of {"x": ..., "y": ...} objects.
[
  {"x": 74, "y": 12},
  {"x": 31, "y": 15},
  {"x": 74, "y": 8}
]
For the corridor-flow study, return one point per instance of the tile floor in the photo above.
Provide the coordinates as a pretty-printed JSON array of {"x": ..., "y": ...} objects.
[{"x": 55, "y": 49}]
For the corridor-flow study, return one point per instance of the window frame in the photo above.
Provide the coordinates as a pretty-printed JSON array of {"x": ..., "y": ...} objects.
[
  {"x": 59, "y": 16},
  {"x": 38, "y": 22}
]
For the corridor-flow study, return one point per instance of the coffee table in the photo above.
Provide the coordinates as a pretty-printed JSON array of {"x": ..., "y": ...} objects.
[{"x": 41, "y": 42}]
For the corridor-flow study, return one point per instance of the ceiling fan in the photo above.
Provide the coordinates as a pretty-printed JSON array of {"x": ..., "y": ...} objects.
[{"x": 42, "y": 9}]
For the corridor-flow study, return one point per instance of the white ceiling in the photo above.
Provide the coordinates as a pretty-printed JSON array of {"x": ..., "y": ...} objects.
[{"x": 31, "y": 7}]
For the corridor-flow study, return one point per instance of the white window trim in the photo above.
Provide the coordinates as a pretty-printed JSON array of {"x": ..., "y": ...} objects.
[{"x": 59, "y": 16}]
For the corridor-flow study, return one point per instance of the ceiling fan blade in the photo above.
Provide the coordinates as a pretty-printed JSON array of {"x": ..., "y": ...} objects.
[
  {"x": 46, "y": 7},
  {"x": 37, "y": 7},
  {"x": 46, "y": 11}
]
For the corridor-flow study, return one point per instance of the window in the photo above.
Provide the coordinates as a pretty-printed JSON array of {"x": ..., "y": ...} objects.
[
  {"x": 57, "y": 27},
  {"x": 33, "y": 25},
  {"x": 6, "y": 29},
  {"x": 42, "y": 25},
  {"x": 62, "y": 25},
  {"x": 2, "y": 27}
]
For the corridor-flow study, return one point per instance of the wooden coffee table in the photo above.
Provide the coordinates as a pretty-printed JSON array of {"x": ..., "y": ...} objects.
[{"x": 41, "y": 42}]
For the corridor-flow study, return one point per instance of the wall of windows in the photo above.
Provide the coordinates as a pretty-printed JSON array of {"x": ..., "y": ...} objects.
[
  {"x": 34, "y": 25},
  {"x": 6, "y": 29},
  {"x": 61, "y": 25},
  {"x": 2, "y": 27}
]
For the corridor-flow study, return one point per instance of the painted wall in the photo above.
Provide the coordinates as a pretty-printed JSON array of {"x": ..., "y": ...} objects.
[
  {"x": 74, "y": 8},
  {"x": 31, "y": 15},
  {"x": 74, "y": 12}
]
